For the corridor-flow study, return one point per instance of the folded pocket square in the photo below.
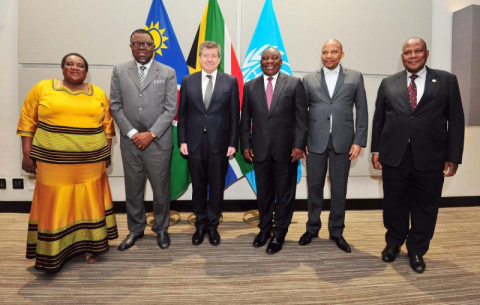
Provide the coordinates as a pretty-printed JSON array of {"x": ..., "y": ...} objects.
[{"x": 158, "y": 81}]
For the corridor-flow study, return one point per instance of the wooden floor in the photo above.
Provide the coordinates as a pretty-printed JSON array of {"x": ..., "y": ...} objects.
[{"x": 237, "y": 273}]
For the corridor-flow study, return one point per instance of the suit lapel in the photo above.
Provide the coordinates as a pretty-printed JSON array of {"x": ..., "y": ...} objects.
[
  {"x": 429, "y": 86},
  {"x": 133, "y": 72},
  {"x": 152, "y": 73},
  {"x": 260, "y": 89},
  {"x": 342, "y": 74},
  {"x": 217, "y": 87},
  {"x": 198, "y": 88},
  {"x": 403, "y": 89},
  {"x": 321, "y": 79},
  {"x": 281, "y": 81}
]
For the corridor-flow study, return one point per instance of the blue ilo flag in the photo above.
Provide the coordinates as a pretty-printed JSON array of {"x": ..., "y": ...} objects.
[
  {"x": 267, "y": 34},
  {"x": 168, "y": 52}
]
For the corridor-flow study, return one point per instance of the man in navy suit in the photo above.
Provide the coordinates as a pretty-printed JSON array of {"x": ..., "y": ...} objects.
[
  {"x": 208, "y": 122},
  {"x": 417, "y": 140}
]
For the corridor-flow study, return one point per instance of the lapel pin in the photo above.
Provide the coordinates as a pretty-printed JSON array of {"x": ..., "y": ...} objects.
[{"x": 434, "y": 80}]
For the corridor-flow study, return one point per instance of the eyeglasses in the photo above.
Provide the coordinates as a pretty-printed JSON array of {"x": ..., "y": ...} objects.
[{"x": 144, "y": 44}]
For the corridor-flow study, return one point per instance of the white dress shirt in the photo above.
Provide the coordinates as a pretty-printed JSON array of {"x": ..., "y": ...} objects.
[
  {"x": 274, "y": 81},
  {"x": 147, "y": 67},
  {"x": 419, "y": 81},
  {"x": 331, "y": 78},
  {"x": 205, "y": 80}
]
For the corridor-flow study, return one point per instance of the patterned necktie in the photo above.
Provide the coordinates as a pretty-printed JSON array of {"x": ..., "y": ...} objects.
[
  {"x": 269, "y": 92},
  {"x": 412, "y": 92},
  {"x": 208, "y": 92},
  {"x": 142, "y": 75}
]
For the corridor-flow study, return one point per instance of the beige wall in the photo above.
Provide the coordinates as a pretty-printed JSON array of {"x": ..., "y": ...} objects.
[{"x": 38, "y": 33}]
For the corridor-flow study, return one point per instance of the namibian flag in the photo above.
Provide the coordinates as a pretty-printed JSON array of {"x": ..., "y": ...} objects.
[
  {"x": 212, "y": 28},
  {"x": 168, "y": 52}
]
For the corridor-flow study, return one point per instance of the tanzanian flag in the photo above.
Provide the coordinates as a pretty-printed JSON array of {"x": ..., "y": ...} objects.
[
  {"x": 212, "y": 28},
  {"x": 168, "y": 52}
]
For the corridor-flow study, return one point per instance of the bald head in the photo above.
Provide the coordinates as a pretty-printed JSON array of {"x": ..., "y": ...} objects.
[
  {"x": 415, "y": 40},
  {"x": 334, "y": 42}
]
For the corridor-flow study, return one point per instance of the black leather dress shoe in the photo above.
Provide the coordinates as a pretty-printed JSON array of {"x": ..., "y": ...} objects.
[
  {"x": 261, "y": 239},
  {"x": 129, "y": 241},
  {"x": 163, "y": 240},
  {"x": 417, "y": 263},
  {"x": 389, "y": 254},
  {"x": 307, "y": 238},
  {"x": 213, "y": 237},
  {"x": 341, "y": 243},
  {"x": 197, "y": 238},
  {"x": 275, "y": 245}
]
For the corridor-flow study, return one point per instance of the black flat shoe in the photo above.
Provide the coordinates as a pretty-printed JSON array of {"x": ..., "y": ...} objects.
[
  {"x": 307, "y": 238},
  {"x": 416, "y": 262},
  {"x": 213, "y": 237},
  {"x": 389, "y": 254},
  {"x": 275, "y": 245},
  {"x": 261, "y": 239},
  {"x": 163, "y": 240},
  {"x": 129, "y": 241},
  {"x": 197, "y": 238},
  {"x": 341, "y": 243}
]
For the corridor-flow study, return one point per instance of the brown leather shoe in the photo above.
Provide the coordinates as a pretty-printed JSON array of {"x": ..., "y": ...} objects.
[{"x": 91, "y": 258}]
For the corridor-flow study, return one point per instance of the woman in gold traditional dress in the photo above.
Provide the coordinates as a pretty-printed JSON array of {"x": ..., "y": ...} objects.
[{"x": 67, "y": 129}]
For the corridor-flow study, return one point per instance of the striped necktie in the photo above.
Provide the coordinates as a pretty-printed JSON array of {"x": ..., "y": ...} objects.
[{"x": 142, "y": 74}]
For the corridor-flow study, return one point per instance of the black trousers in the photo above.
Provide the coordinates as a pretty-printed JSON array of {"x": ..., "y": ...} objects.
[
  {"x": 411, "y": 200},
  {"x": 207, "y": 170},
  {"x": 276, "y": 186}
]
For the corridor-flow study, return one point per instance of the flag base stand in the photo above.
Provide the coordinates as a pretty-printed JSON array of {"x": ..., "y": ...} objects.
[
  {"x": 174, "y": 218},
  {"x": 251, "y": 217},
  {"x": 191, "y": 219}
]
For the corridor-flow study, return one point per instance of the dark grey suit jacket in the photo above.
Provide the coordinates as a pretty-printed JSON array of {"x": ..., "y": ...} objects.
[
  {"x": 435, "y": 129},
  {"x": 151, "y": 107},
  {"x": 282, "y": 128},
  {"x": 349, "y": 92}
]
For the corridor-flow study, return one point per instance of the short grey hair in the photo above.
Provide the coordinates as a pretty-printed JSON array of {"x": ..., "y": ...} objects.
[{"x": 210, "y": 45}]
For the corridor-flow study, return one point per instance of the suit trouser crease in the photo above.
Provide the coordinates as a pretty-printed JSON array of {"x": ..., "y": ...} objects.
[
  {"x": 207, "y": 170},
  {"x": 411, "y": 202},
  {"x": 137, "y": 165},
  {"x": 339, "y": 168},
  {"x": 276, "y": 187}
]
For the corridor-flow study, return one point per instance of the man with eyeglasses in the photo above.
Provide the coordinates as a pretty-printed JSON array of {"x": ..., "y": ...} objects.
[{"x": 143, "y": 98}]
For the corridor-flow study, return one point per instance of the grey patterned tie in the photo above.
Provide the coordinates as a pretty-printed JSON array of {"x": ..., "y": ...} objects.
[
  {"x": 142, "y": 74},
  {"x": 208, "y": 92}
]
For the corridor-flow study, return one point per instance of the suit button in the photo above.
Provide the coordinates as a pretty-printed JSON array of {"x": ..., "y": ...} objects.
[
  {"x": 140, "y": 94},
  {"x": 412, "y": 117},
  {"x": 140, "y": 108},
  {"x": 331, "y": 103},
  {"x": 328, "y": 118}
]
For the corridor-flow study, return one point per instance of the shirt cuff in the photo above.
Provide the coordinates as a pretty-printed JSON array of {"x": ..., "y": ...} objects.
[
  {"x": 374, "y": 153},
  {"x": 131, "y": 133}
]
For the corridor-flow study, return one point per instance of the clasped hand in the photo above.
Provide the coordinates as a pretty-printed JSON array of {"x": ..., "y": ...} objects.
[{"x": 142, "y": 139}]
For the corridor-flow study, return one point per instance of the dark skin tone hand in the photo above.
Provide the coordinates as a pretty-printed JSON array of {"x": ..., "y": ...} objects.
[
  {"x": 28, "y": 164},
  {"x": 142, "y": 139}
]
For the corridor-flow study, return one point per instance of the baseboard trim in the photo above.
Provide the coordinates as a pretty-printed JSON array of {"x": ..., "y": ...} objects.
[{"x": 246, "y": 205}]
